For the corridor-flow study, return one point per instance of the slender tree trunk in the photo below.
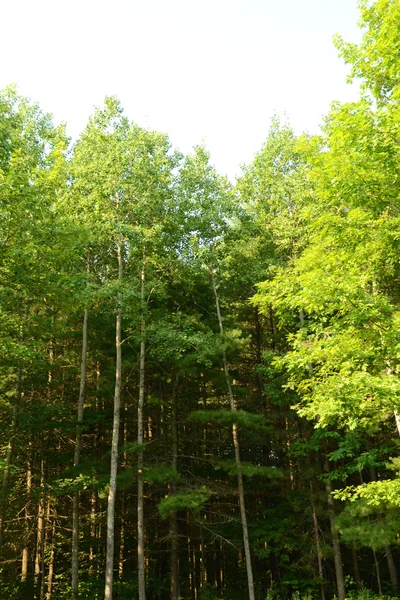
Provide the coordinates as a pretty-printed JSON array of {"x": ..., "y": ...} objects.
[
  {"x": 121, "y": 558},
  {"x": 259, "y": 378},
  {"x": 121, "y": 555},
  {"x": 378, "y": 573},
  {"x": 236, "y": 446},
  {"x": 335, "y": 540},
  {"x": 77, "y": 454},
  {"x": 191, "y": 569},
  {"x": 50, "y": 576},
  {"x": 356, "y": 567},
  {"x": 25, "y": 550},
  {"x": 93, "y": 503},
  {"x": 93, "y": 550},
  {"x": 140, "y": 507},
  {"x": 194, "y": 571},
  {"x": 392, "y": 569},
  {"x": 114, "y": 447},
  {"x": 203, "y": 567},
  {"x": 173, "y": 522},
  {"x": 39, "y": 556},
  {"x": 317, "y": 542},
  {"x": 397, "y": 419}
]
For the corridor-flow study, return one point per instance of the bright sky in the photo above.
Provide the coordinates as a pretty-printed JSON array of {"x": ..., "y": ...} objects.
[{"x": 212, "y": 70}]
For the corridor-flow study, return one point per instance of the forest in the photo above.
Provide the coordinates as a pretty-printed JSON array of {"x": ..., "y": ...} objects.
[{"x": 200, "y": 393}]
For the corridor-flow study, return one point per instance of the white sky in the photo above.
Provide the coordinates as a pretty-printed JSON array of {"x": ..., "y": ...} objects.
[{"x": 213, "y": 70}]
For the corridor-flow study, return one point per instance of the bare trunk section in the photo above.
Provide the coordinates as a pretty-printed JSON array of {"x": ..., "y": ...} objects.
[
  {"x": 39, "y": 556},
  {"x": 356, "y": 567},
  {"x": 121, "y": 558},
  {"x": 93, "y": 550},
  {"x": 335, "y": 540},
  {"x": 397, "y": 418},
  {"x": 392, "y": 569},
  {"x": 93, "y": 503},
  {"x": 50, "y": 576},
  {"x": 317, "y": 543},
  {"x": 121, "y": 554},
  {"x": 258, "y": 340},
  {"x": 108, "y": 592},
  {"x": 140, "y": 506},
  {"x": 236, "y": 446},
  {"x": 173, "y": 522},
  {"x": 25, "y": 550},
  {"x": 378, "y": 573},
  {"x": 77, "y": 454}
]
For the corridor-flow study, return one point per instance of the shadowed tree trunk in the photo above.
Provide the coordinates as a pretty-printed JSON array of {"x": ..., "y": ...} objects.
[
  {"x": 378, "y": 573},
  {"x": 25, "y": 550},
  {"x": 337, "y": 556},
  {"x": 50, "y": 576},
  {"x": 317, "y": 542},
  {"x": 39, "y": 556},
  {"x": 140, "y": 508},
  {"x": 356, "y": 567},
  {"x": 108, "y": 593},
  {"x": 236, "y": 446},
  {"x": 392, "y": 569},
  {"x": 75, "y": 509},
  {"x": 173, "y": 522}
]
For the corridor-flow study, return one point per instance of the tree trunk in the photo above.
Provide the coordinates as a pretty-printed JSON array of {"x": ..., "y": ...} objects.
[
  {"x": 140, "y": 507},
  {"x": 335, "y": 540},
  {"x": 39, "y": 557},
  {"x": 93, "y": 550},
  {"x": 317, "y": 543},
  {"x": 121, "y": 555},
  {"x": 25, "y": 550},
  {"x": 173, "y": 522},
  {"x": 392, "y": 569},
  {"x": 378, "y": 573},
  {"x": 356, "y": 567},
  {"x": 121, "y": 558},
  {"x": 108, "y": 592},
  {"x": 51, "y": 560},
  {"x": 259, "y": 378},
  {"x": 75, "y": 509},
  {"x": 397, "y": 419},
  {"x": 236, "y": 446}
]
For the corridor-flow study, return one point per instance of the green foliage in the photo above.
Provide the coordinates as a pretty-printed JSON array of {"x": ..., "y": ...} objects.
[
  {"x": 224, "y": 418},
  {"x": 366, "y": 595},
  {"x": 160, "y": 473},
  {"x": 247, "y": 469},
  {"x": 208, "y": 592},
  {"x": 304, "y": 255},
  {"x": 184, "y": 499},
  {"x": 375, "y": 60}
]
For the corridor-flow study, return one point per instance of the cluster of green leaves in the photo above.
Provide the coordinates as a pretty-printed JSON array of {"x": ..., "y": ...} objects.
[{"x": 337, "y": 290}]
